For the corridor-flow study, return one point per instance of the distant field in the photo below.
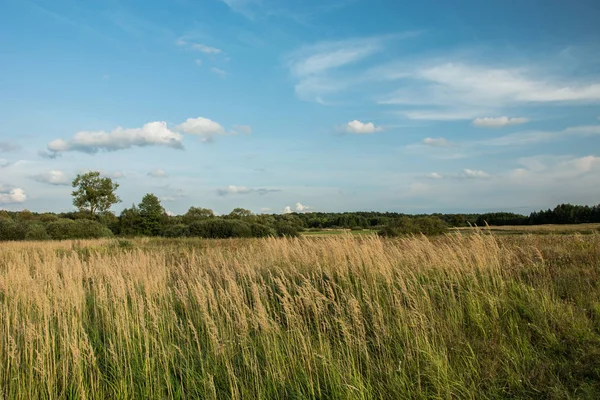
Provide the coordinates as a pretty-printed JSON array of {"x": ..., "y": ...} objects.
[
  {"x": 329, "y": 232},
  {"x": 537, "y": 229}
]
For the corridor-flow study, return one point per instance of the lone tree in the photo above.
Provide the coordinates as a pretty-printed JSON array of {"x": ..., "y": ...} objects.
[{"x": 94, "y": 193}]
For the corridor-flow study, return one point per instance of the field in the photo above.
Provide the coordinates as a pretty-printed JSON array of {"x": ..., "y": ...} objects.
[{"x": 471, "y": 316}]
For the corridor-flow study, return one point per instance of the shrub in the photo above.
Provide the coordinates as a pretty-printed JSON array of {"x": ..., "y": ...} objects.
[
  {"x": 260, "y": 230},
  {"x": 11, "y": 230},
  {"x": 220, "y": 229},
  {"x": 177, "y": 230},
  {"x": 36, "y": 232},
  {"x": 285, "y": 229},
  {"x": 80, "y": 229}
]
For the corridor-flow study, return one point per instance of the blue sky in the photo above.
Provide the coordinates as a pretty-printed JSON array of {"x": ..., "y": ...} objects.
[{"x": 302, "y": 105}]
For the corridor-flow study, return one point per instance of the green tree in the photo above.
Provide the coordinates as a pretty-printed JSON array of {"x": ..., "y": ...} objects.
[
  {"x": 152, "y": 214},
  {"x": 197, "y": 214},
  {"x": 239, "y": 213},
  {"x": 94, "y": 193}
]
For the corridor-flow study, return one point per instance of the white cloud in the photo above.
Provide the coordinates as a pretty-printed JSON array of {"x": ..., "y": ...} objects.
[
  {"x": 53, "y": 177},
  {"x": 312, "y": 65},
  {"x": 207, "y": 129},
  {"x": 233, "y": 190},
  {"x": 498, "y": 122},
  {"x": 158, "y": 173},
  {"x": 203, "y": 127},
  {"x": 287, "y": 210},
  {"x": 301, "y": 207},
  {"x": 434, "y": 175},
  {"x": 219, "y": 72},
  {"x": 151, "y": 134},
  {"x": 361, "y": 128},
  {"x": 12, "y": 195},
  {"x": 436, "y": 142},
  {"x": 469, "y": 173}
]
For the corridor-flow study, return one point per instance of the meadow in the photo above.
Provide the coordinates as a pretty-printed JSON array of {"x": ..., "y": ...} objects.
[{"x": 465, "y": 315}]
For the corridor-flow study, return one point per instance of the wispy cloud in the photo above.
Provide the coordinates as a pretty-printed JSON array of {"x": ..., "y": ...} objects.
[
  {"x": 312, "y": 65},
  {"x": 436, "y": 142},
  {"x": 201, "y": 47},
  {"x": 498, "y": 122},
  {"x": 219, "y": 72},
  {"x": 241, "y": 190}
]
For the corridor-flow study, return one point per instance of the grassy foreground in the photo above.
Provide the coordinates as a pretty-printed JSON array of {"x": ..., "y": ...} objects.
[{"x": 347, "y": 317}]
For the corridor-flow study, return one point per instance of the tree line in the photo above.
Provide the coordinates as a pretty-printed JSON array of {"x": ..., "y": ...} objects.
[{"x": 94, "y": 195}]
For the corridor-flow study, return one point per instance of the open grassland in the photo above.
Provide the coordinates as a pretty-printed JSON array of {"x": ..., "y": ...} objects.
[
  {"x": 347, "y": 317},
  {"x": 566, "y": 229}
]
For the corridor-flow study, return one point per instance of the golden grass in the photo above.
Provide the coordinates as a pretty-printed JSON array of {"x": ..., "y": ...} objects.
[{"x": 468, "y": 316}]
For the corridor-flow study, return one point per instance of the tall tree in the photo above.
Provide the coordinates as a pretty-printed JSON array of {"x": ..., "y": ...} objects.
[
  {"x": 94, "y": 193},
  {"x": 152, "y": 214}
]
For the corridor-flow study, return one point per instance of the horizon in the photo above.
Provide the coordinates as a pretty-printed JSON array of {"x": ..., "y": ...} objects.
[{"x": 351, "y": 106}]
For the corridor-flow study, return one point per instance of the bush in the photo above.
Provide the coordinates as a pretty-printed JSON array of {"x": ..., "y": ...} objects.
[
  {"x": 220, "y": 229},
  {"x": 356, "y": 228},
  {"x": 177, "y": 230},
  {"x": 284, "y": 229},
  {"x": 36, "y": 232},
  {"x": 11, "y": 230},
  {"x": 64, "y": 229},
  {"x": 260, "y": 230}
]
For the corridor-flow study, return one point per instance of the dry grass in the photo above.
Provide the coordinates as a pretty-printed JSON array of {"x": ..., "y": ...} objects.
[
  {"x": 539, "y": 229},
  {"x": 473, "y": 316}
]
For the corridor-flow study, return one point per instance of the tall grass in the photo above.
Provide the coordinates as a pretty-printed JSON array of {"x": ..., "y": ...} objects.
[{"x": 471, "y": 316}]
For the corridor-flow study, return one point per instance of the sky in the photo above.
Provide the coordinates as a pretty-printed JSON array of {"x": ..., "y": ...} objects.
[{"x": 289, "y": 105}]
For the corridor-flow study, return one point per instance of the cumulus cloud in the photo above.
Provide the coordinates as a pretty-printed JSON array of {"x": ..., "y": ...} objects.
[
  {"x": 436, "y": 142},
  {"x": 12, "y": 195},
  {"x": 301, "y": 207},
  {"x": 158, "y": 173},
  {"x": 498, "y": 122},
  {"x": 434, "y": 175},
  {"x": 361, "y": 128},
  {"x": 287, "y": 210},
  {"x": 53, "y": 177},
  {"x": 205, "y": 128},
  {"x": 234, "y": 190},
  {"x": 151, "y": 134},
  {"x": 469, "y": 173},
  {"x": 6, "y": 147}
]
